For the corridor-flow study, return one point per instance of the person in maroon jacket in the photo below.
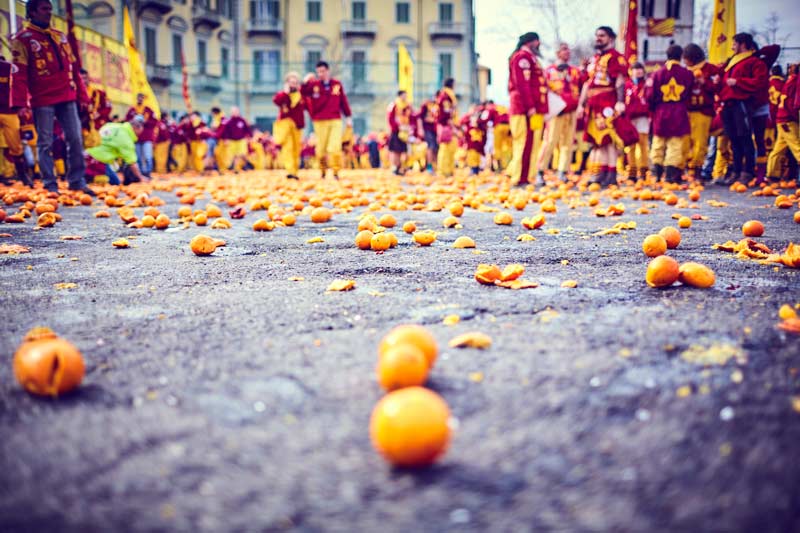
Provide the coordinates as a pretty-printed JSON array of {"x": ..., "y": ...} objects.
[
  {"x": 428, "y": 117},
  {"x": 235, "y": 133},
  {"x": 701, "y": 104},
  {"x": 10, "y": 137},
  {"x": 398, "y": 117},
  {"x": 144, "y": 146},
  {"x": 288, "y": 129},
  {"x": 638, "y": 111},
  {"x": 668, "y": 92},
  {"x": 326, "y": 103},
  {"x": 786, "y": 119},
  {"x": 48, "y": 71},
  {"x": 744, "y": 76}
]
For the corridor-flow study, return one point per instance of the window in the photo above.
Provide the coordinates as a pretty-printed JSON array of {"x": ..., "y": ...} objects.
[
  {"x": 265, "y": 10},
  {"x": 313, "y": 11},
  {"x": 177, "y": 47},
  {"x": 150, "y": 40},
  {"x": 648, "y": 6},
  {"x": 265, "y": 123},
  {"x": 674, "y": 8},
  {"x": 402, "y": 12},
  {"x": 225, "y": 58},
  {"x": 445, "y": 67},
  {"x": 359, "y": 10},
  {"x": 226, "y": 8},
  {"x": 359, "y": 125},
  {"x": 312, "y": 58},
  {"x": 202, "y": 56},
  {"x": 445, "y": 12},
  {"x": 266, "y": 66},
  {"x": 359, "y": 66}
]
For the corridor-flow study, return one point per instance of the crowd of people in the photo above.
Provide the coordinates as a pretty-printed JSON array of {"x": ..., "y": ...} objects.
[{"x": 685, "y": 120}]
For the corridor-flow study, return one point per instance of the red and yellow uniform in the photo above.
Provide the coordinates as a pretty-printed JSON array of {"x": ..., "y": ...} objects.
[
  {"x": 288, "y": 129},
  {"x": 10, "y": 140},
  {"x": 565, "y": 81},
  {"x": 786, "y": 119},
  {"x": 669, "y": 101},
  {"x": 701, "y": 112},
  {"x": 603, "y": 71},
  {"x": 150, "y": 121},
  {"x": 234, "y": 132},
  {"x": 476, "y": 144},
  {"x": 638, "y": 111},
  {"x": 527, "y": 93},
  {"x": 326, "y": 103},
  {"x": 502, "y": 137},
  {"x": 447, "y": 103},
  {"x": 161, "y": 147}
]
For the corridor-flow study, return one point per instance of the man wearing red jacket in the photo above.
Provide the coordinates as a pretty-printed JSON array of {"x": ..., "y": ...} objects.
[
  {"x": 288, "y": 129},
  {"x": 326, "y": 103},
  {"x": 527, "y": 93},
  {"x": 701, "y": 104},
  {"x": 428, "y": 116},
  {"x": 48, "y": 71},
  {"x": 398, "y": 117},
  {"x": 786, "y": 119},
  {"x": 744, "y": 76},
  {"x": 144, "y": 145},
  {"x": 10, "y": 137},
  {"x": 603, "y": 98},
  {"x": 638, "y": 111},
  {"x": 668, "y": 92},
  {"x": 235, "y": 132},
  {"x": 564, "y": 80},
  {"x": 447, "y": 102}
]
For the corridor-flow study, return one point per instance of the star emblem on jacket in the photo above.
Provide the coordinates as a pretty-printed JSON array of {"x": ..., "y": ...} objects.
[{"x": 672, "y": 91}]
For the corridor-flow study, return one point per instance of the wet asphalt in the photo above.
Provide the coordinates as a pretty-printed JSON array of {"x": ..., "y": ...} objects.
[{"x": 221, "y": 396}]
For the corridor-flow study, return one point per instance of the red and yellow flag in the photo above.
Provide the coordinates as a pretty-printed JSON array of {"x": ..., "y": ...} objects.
[
  {"x": 661, "y": 27},
  {"x": 632, "y": 33},
  {"x": 187, "y": 97},
  {"x": 137, "y": 77},
  {"x": 723, "y": 28}
]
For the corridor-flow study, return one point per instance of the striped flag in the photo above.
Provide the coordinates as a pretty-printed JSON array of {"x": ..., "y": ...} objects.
[
  {"x": 723, "y": 28},
  {"x": 660, "y": 27},
  {"x": 187, "y": 97}
]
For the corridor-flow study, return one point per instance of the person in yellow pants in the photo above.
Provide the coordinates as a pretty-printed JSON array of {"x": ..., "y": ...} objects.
[
  {"x": 287, "y": 130},
  {"x": 786, "y": 120},
  {"x": 446, "y": 129}
]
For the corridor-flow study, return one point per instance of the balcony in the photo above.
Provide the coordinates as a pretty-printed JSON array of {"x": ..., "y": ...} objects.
[
  {"x": 265, "y": 88},
  {"x": 360, "y": 88},
  {"x": 269, "y": 27},
  {"x": 447, "y": 30},
  {"x": 162, "y": 7},
  {"x": 359, "y": 28},
  {"x": 159, "y": 74},
  {"x": 206, "y": 82},
  {"x": 205, "y": 16}
]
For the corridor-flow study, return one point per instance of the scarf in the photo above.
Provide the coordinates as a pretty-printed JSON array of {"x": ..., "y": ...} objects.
[{"x": 738, "y": 58}]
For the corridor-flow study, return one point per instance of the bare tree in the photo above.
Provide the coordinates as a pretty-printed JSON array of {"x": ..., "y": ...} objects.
[{"x": 702, "y": 23}]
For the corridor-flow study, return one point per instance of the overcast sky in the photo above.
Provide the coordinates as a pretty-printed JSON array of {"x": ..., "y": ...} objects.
[{"x": 500, "y": 22}]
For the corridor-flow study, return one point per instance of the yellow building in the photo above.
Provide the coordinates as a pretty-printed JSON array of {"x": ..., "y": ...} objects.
[{"x": 237, "y": 52}]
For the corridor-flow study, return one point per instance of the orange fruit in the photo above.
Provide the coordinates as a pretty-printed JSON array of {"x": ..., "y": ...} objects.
[
  {"x": 797, "y": 217},
  {"x": 456, "y": 209},
  {"x": 380, "y": 242},
  {"x": 488, "y": 274},
  {"x": 148, "y": 221},
  {"x": 263, "y": 224},
  {"x": 213, "y": 211},
  {"x": 694, "y": 196},
  {"x": 152, "y": 211},
  {"x": 503, "y": 219},
  {"x": 320, "y": 214},
  {"x": 409, "y": 227},
  {"x": 402, "y": 366},
  {"x": 410, "y": 427},
  {"x": 696, "y": 275},
  {"x": 162, "y": 221},
  {"x": 654, "y": 245},
  {"x": 48, "y": 365},
  {"x": 387, "y": 221},
  {"x": 670, "y": 199},
  {"x": 424, "y": 238},
  {"x": 416, "y": 336},
  {"x": 662, "y": 271},
  {"x": 183, "y": 211},
  {"x": 753, "y": 228},
  {"x": 392, "y": 239},
  {"x": 449, "y": 222},
  {"x": 464, "y": 242},
  {"x": 363, "y": 239},
  {"x": 684, "y": 222},
  {"x": 201, "y": 219},
  {"x": 204, "y": 245},
  {"x": 671, "y": 235},
  {"x": 46, "y": 219},
  {"x": 288, "y": 219}
]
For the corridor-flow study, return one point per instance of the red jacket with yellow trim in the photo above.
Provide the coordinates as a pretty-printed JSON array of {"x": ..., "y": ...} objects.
[{"x": 527, "y": 87}]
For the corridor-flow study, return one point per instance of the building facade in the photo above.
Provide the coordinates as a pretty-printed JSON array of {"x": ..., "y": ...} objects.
[
  {"x": 653, "y": 48},
  {"x": 237, "y": 52}
]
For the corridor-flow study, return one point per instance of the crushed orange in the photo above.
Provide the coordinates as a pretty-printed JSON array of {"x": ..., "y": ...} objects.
[{"x": 488, "y": 274}]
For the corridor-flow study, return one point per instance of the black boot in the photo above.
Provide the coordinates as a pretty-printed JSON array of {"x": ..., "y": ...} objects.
[
  {"x": 642, "y": 174},
  {"x": 599, "y": 177},
  {"x": 611, "y": 178},
  {"x": 22, "y": 172},
  {"x": 658, "y": 171},
  {"x": 673, "y": 174}
]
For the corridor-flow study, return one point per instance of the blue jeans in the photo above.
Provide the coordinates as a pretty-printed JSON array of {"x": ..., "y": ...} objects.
[
  {"x": 708, "y": 165},
  {"x": 67, "y": 115},
  {"x": 113, "y": 179},
  {"x": 144, "y": 154}
]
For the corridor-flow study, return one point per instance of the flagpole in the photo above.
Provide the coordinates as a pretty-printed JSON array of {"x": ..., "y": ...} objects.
[{"x": 12, "y": 15}]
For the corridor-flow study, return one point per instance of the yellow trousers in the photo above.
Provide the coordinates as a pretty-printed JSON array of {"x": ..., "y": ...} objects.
[
  {"x": 198, "y": 154},
  {"x": 502, "y": 144},
  {"x": 257, "y": 157},
  {"x": 667, "y": 151},
  {"x": 723, "y": 158},
  {"x": 160, "y": 157},
  {"x": 637, "y": 154},
  {"x": 558, "y": 134},
  {"x": 446, "y": 158},
  {"x": 787, "y": 138},
  {"x": 180, "y": 154},
  {"x": 223, "y": 156},
  {"x": 698, "y": 139},
  {"x": 525, "y": 145},
  {"x": 290, "y": 148},
  {"x": 473, "y": 158},
  {"x": 329, "y": 143}
]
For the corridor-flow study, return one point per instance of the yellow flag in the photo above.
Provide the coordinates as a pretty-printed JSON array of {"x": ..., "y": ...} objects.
[
  {"x": 138, "y": 78},
  {"x": 723, "y": 28},
  {"x": 405, "y": 72}
]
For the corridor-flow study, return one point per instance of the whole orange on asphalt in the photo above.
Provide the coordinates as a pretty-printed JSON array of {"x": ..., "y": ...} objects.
[
  {"x": 654, "y": 245},
  {"x": 414, "y": 335},
  {"x": 662, "y": 271},
  {"x": 363, "y": 239},
  {"x": 671, "y": 235},
  {"x": 753, "y": 228},
  {"x": 696, "y": 275},
  {"x": 380, "y": 242},
  {"x": 401, "y": 366},
  {"x": 410, "y": 427},
  {"x": 204, "y": 245}
]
